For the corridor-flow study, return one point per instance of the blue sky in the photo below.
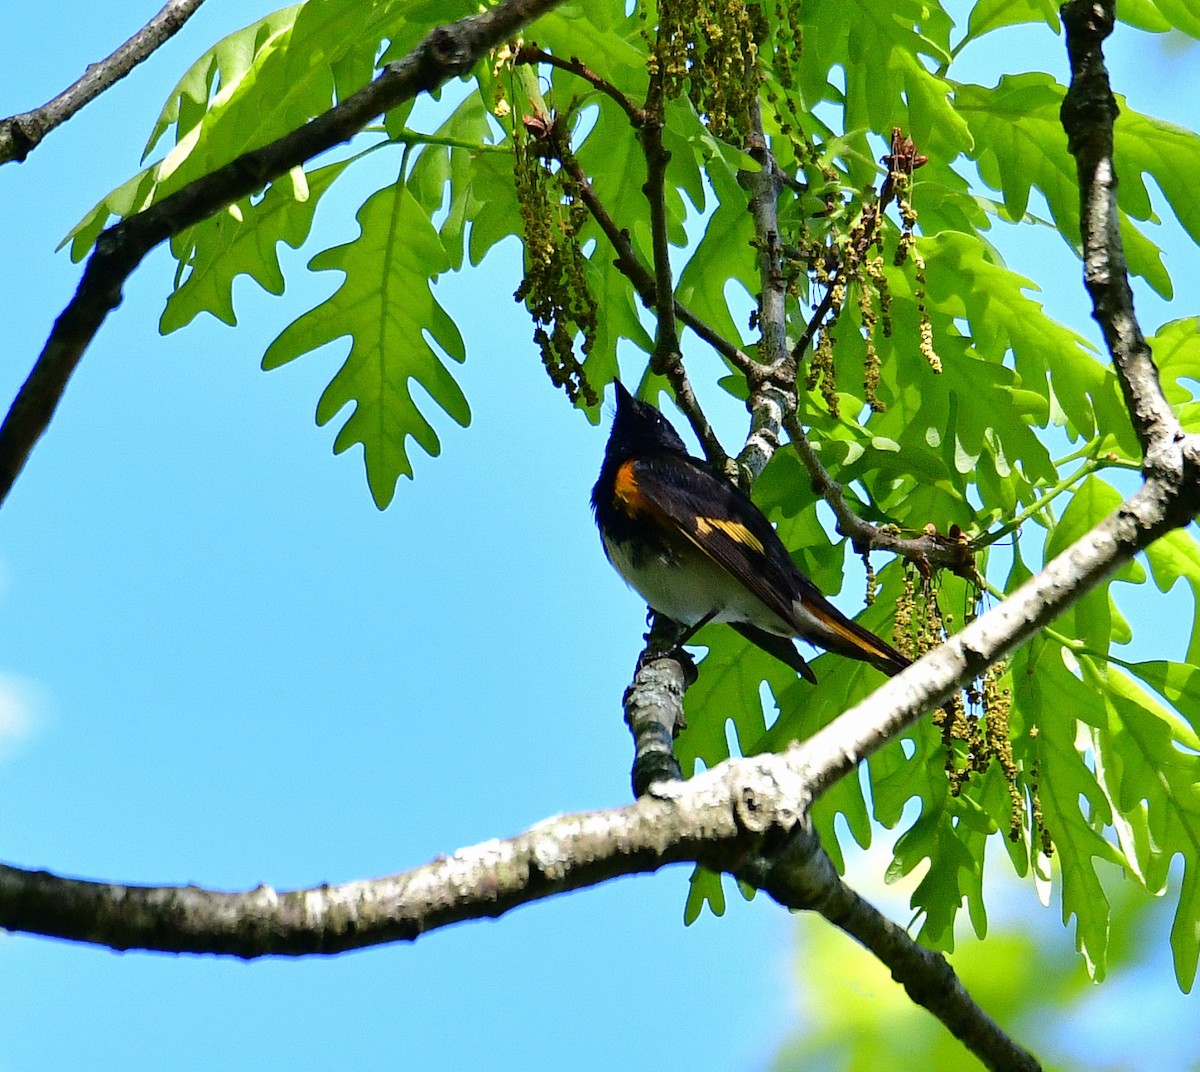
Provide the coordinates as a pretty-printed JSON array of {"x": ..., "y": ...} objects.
[{"x": 221, "y": 664}]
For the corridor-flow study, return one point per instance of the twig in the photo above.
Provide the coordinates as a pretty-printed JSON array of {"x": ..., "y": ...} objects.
[
  {"x": 823, "y": 309},
  {"x": 654, "y": 707},
  {"x": 445, "y": 53},
  {"x": 532, "y": 54},
  {"x": 933, "y": 550},
  {"x": 21, "y": 134},
  {"x": 666, "y": 343},
  {"x": 929, "y": 551},
  {"x": 901, "y": 161},
  {"x": 629, "y": 265}
]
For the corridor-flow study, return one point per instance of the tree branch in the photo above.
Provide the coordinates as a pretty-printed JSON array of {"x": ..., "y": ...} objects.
[
  {"x": 933, "y": 550},
  {"x": 725, "y": 818},
  {"x": 532, "y": 54},
  {"x": 716, "y": 819},
  {"x": 666, "y": 343},
  {"x": 772, "y": 380},
  {"x": 629, "y": 265},
  {"x": 654, "y": 707},
  {"x": 446, "y": 52},
  {"x": 21, "y": 134},
  {"x": 1088, "y": 113},
  {"x": 802, "y": 877}
]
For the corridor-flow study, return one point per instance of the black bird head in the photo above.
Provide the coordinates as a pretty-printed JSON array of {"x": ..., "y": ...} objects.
[{"x": 639, "y": 430}]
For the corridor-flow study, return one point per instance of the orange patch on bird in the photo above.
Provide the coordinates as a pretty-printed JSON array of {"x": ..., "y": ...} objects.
[
  {"x": 735, "y": 530},
  {"x": 625, "y": 489}
]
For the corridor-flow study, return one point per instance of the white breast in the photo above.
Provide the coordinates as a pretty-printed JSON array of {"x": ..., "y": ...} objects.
[{"x": 687, "y": 595}]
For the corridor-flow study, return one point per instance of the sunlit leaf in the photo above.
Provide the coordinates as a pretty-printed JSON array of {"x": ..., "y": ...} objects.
[{"x": 386, "y": 306}]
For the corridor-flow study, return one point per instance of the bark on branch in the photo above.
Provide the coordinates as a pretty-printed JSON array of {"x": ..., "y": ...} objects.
[
  {"x": 1088, "y": 113},
  {"x": 718, "y": 819},
  {"x": 21, "y": 134},
  {"x": 802, "y": 876}
]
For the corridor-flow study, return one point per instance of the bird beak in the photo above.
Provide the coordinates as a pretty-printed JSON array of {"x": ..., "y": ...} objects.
[{"x": 623, "y": 396}]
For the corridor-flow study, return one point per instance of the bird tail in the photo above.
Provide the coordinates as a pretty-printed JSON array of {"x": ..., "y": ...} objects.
[
  {"x": 780, "y": 647},
  {"x": 839, "y": 634}
]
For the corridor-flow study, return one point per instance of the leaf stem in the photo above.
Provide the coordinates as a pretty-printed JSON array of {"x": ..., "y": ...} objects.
[{"x": 1036, "y": 507}]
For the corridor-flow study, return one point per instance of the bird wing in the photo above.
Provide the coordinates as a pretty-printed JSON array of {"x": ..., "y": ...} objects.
[
  {"x": 720, "y": 520},
  {"x": 688, "y": 499}
]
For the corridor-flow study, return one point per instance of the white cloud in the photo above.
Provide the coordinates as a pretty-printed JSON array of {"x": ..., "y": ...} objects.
[{"x": 20, "y": 704}]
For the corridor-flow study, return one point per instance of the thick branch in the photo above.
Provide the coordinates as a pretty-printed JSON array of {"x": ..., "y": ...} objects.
[
  {"x": 21, "y": 134},
  {"x": 727, "y": 818},
  {"x": 802, "y": 876},
  {"x": 1088, "y": 113},
  {"x": 446, "y": 52},
  {"x": 716, "y": 819},
  {"x": 1161, "y": 505},
  {"x": 720, "y": 818}
]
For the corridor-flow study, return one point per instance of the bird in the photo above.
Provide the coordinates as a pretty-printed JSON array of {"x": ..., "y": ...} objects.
[{"x": 697, "y": 550}]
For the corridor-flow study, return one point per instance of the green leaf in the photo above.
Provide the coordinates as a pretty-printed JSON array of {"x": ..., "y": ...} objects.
[
  {"x": 263, "y": 82},
  {"x": 879, "y": 50},
  {"x": 498, "y": 215},
  {"x": 1173, "y": 557},
  {"x": 703, "y": 282},
  {"x": 1090, "y": 619},
  {"x": 988, "y": 15},
  {"x": 1143, "y": 14},
  {"x": 1020, "y": 146},
  {"x": 243, "y": 240},
  {"x": 1176, "y": 348},
  {"x": 600, "y": 33},
  {"x": 464, "y": 136},
  {"x": 727, "y": 690},
  {"x": 1147, "y": 146},
  {"x": 222, "y": 67},
  {"x": 955, "y": 857},
  {"x": 967, "y": 283},
  {"x": 705, "y": 887},
  {"x": 1180, "y": 14},
  {"x": 386, "y": 305},
  {"x": 1141, "y": 747},
  {"x": 1051, "y": 702},
  {"x": 1179, "y": 683}
]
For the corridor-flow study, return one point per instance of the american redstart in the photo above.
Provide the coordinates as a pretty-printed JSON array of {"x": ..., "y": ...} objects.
[{"x": 698, "y": 550}]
